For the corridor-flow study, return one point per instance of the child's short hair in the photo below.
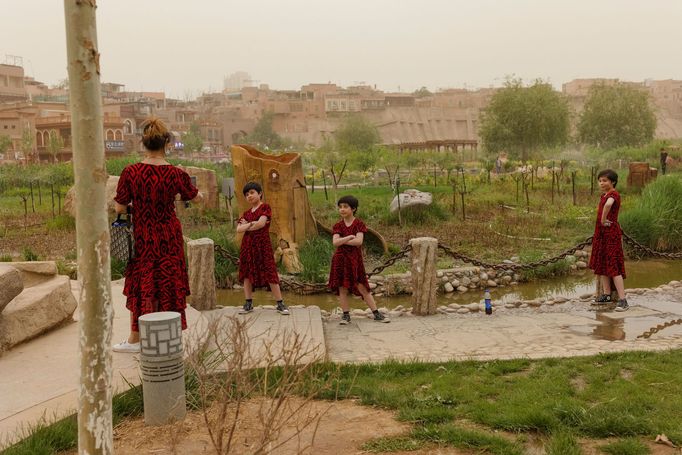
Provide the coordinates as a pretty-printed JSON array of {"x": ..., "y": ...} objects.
[
  {"x": 352, "y": 202},
  {"x": 252, "y": 186},
  {"x": 609, "y": 174}
]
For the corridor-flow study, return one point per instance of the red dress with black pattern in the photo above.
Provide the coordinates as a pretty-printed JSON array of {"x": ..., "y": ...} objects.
[
  {"x": 256, "y": 257},
  {"x": 156, "y": 278},
  {"x": 348, "y": 269},
  {"x": 607, "y": 247}
]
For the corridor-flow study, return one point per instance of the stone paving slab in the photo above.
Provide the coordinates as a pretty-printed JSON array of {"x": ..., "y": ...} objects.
[{"x": 571, "y": 329}]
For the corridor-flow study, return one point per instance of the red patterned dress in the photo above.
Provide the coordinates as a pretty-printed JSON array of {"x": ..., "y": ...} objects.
[
  {"x": 607, "y": 247},
  {"x": 256, "y": 258},
  {"x": 347, "y": 269},
  {"x": 156, "y": 278}
]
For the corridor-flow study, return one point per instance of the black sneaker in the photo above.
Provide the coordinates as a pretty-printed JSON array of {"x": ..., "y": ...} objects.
[
  {"x": 282, "y": 309},
  {"x": 247, "y": 308},
  {"x": 345, "y": 319},
  {"x": 378, "y": 317},
  {"x": 622, "y": 305},
  {"x": 602, "y": 299}
]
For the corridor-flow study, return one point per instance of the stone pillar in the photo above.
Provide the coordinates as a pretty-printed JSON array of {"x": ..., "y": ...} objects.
[
  {"x": 201, "y": 265},
  {"x": 162, "y": 367},
  {"x": 424, "y": 281}
]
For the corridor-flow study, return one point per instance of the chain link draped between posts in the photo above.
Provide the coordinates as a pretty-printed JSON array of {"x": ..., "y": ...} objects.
[
  {"x": 659, "y": 327},
  {"x": 390, "y": 261},
  {"x": 450, "y": 252},
  {"x": 651, "y": 252},
  {"x": 303, "y": 287}
]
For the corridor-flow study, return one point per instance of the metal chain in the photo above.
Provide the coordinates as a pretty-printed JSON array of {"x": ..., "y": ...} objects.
[
  {"x": 226, "y": 254},
  {"x": 392, "y": 260},
  {"x": 638, "y": 246},
  {"x": 302, "y": 287},
  {"x": 660, "y": 327},
  {"x": 449, "y": 251}
]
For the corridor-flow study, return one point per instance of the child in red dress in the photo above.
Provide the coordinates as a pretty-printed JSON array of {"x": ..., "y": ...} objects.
[
  {"x": 256, "y": 260},
  {"x": 607, "y": 259},
  {"x": 347, "y": 270}
]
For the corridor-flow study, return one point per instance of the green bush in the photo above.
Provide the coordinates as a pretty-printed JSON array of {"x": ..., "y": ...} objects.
[
  {"x": 29, "y": 254},
  {"x": 61, "y": 223},
  {"x": 315, "y": 255},
  {"x": 6, "y": 258},
  {"x": 656, "y": 219},
  {"x": 419, "y": 215},
  {"x": 118, "y": 269}
]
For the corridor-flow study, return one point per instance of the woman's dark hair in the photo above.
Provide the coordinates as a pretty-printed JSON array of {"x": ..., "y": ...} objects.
[
  {"x": 155, "y": 134},
  {"x": 609, "y": 174},
  {"x": 352, "y": 202},
  {"x": 252, "y": 186}
]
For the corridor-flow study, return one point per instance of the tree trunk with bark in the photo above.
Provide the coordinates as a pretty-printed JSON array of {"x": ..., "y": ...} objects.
[{"x": 92, "y": 230}]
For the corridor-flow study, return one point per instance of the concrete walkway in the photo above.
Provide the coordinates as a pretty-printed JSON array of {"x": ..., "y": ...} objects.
[{"x": 40, "y": 378}]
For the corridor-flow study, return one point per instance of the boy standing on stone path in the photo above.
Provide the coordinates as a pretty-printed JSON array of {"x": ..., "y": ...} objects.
[
  {"x": 256, "y": 259},
  {"x": 347, "y": 271},
  {"x": 607, "y": 258}
]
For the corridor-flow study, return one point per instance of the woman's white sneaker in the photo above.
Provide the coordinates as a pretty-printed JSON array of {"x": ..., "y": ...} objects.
[{"x": 124, "y": 346}]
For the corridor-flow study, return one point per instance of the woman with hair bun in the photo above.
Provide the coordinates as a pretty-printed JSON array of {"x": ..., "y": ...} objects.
[{"x": 156, "y": 278}]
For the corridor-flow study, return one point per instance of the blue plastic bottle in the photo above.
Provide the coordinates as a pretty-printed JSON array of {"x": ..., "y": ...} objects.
[{"x": 488, "y": 303}]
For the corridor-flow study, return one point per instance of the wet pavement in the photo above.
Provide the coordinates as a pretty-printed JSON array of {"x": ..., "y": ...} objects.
[{"x": 545, "y": 329}]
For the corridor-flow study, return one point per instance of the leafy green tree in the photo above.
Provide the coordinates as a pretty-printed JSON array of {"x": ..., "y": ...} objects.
[
  {"x": 5, "y": 143},
  {"x": 356, "y": 134},
  {"x": 616, "y": 116},
  {"x": 27, "y": 142},
  {"x": 192, "y": 139},
  {"x": 523, "y": 119},
  {"x": 422, "y": 92},
  {"x": 264, "y": 135},
  {"x": 55, "y": 144}
]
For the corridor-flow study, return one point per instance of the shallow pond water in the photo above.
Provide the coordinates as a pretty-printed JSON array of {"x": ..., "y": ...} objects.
[{"x": 640, "y": 274}]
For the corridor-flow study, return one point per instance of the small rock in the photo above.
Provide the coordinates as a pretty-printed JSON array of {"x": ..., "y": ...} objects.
[
  {"x": 492, "y": 274},
  {"x": 463, "y": 311},
  {"x": 439, "y": 274},
  {"x": 507, "y": 261},
  {"x": 483, "y": 276},
  {"x": 466, "y": 281},
  {"x": 462, "y": 288},
  {"x": 523, "y": 305},
  {"x": 372, "y": 286},
  {"x": 448, "y": 288},
  {"x": 475, "y": 279},
  {"x": 455, "y": 283},
  {"x": 506, "y": 279},
  {"x": 398, "y": 308},
  {"x": 358, "y": 312},
  {"x": 515, "y": 259},
  {"x": 509, "y": 306},
  {"x": 586, "y": 296},
  {"x": 560, "y": 299},
  {"x": 492, "y": 283},
  {"x": 513, "y": 283},
  {"x": 581, "y": 264},
  {"x": 473, "y": 306}
]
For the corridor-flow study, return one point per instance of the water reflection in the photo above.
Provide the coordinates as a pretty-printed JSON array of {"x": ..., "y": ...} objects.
[{"x": 641, "y": 274}]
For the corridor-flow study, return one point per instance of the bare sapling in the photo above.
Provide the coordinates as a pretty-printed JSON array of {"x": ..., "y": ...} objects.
[{"x": 240, "y": 376}]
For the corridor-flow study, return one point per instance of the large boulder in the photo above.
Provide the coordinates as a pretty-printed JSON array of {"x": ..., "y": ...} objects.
[
  {"x": 70, "y": 199},
  {"x": 45, "y": 302},
  {"x": 11, "y": 284},
  {"x": 411, "y": 200},
  {"x": 207, "y": 182}
]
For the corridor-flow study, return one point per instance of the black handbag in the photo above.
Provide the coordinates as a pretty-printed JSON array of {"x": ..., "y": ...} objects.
[{"x": 122, "y": 240}]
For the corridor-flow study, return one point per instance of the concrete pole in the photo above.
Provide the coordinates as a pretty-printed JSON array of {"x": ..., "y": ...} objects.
[
  {"x": 424, "y": 281},
  {"x": 95, "y": 434},
  {"x": 201, "y": 265},
  {"x": 162, "y": 368}
]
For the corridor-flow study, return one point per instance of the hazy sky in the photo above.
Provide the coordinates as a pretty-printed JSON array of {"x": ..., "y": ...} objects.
[{"x": 187, "y": 47}]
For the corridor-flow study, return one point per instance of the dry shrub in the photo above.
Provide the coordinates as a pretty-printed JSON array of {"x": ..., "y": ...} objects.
[{"x": 229, "y": 364}]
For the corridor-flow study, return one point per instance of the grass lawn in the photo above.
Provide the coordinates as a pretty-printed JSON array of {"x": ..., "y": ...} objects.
[{"x": 614, "y": 401}]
